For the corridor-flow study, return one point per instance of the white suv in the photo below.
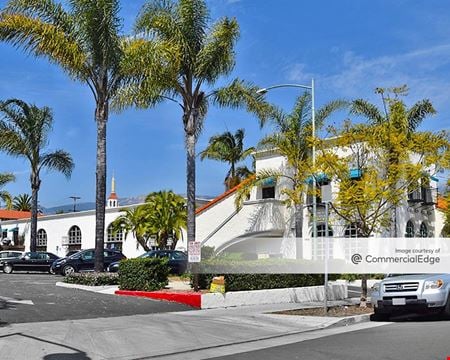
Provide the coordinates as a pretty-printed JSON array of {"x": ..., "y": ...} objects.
[{"x": 414, "y": 293}]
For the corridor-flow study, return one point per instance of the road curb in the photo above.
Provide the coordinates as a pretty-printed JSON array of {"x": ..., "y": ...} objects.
[
  {"x": 103, "y": 289},
  {"x": 351, "y": 320},
  {"x": 191, "y": 299}
]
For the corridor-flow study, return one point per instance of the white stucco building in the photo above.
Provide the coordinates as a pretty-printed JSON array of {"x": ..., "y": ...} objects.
[{"x": 259, "y": 226}]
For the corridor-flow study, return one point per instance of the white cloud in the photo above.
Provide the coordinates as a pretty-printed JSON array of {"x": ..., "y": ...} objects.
[
  {"x": 297, "y": 72},
  {"x": 422, "y": 70}
]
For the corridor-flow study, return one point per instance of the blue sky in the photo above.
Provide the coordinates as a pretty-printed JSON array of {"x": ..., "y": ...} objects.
[{"x": 349, "y": 47}]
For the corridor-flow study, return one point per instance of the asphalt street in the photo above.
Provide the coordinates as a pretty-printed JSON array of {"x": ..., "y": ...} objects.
[
  {"x": 419, "y": 339},
  {"x": 34, "y": 297}
]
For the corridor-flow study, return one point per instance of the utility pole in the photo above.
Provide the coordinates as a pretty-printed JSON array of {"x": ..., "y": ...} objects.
[{"x": 75, "y": 198}]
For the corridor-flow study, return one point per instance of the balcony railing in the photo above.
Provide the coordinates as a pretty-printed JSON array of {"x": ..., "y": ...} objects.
[
  {"x": 415, "y": 196},
  {"x": 424, "y": 195},
  {"x": 429, "y": 196}
]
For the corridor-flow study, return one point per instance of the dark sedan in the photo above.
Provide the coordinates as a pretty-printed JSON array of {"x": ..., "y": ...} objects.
[
  {"x": 84, "y": 261},
  {"x": 30, "y": 261},
  {"x": 177, "y": 260},
  {"x": 7, "y": 255}
]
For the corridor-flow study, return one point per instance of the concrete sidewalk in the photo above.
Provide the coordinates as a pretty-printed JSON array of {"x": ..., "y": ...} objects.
[{"x": 153, "y": 335}]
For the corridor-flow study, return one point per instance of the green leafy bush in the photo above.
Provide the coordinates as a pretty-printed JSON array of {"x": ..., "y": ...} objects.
[
  {"x": 240, "y": 282},
  {"x": 92, "y": 279},
  {"x": 143, "y": 274},
  {"x": 207, "y": 252}
]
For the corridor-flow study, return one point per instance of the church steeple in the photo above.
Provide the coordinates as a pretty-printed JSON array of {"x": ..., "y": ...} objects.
[{"x": 113, "y": 199}]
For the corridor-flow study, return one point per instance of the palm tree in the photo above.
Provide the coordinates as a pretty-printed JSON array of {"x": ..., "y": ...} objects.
[
  {"x": 228, "y": 147},
  {"x": 5, "y": 196},
  {"x": 292, "y": 139},
  {"x": 24, "y": 132},
  {"x": 202, "y": 54},
  {"x": 135, "y": 221},
  {"x": 166, "y": 217},
  {"x": 22, "y": 202},
  {"x": 84, "y": 39}
]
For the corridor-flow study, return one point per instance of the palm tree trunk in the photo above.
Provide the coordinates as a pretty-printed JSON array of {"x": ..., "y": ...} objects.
[
  {"x": 101, "y": 117},
  {"x": 35, "y": 184},
  {"x": 190, "y": 176},
  {"x": 190, "y": 173}
]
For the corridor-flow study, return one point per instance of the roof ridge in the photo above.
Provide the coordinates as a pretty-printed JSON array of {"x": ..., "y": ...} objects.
[{"x": 223, "y": 195}]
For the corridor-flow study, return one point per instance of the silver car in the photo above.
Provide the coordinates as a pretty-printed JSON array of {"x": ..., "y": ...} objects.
[{"x": 411, "y": 293}]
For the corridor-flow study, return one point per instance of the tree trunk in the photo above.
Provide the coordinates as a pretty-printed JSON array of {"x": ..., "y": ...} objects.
[
  {"x": 363, "y": 300},
  {"x": 101, "y": 117},
  {"x": 190, "y": 176},
  {"x": 298, "y": 218},
  {"x": 35, "y": 184}
]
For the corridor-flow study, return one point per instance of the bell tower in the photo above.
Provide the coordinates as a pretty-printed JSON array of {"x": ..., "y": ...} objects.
[{"x": 113, "y": 201}]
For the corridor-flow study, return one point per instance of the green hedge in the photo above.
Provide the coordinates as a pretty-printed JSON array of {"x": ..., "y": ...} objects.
[
  {"x": 240, "y": 282},
  {"x": 143, "y": 274},
  {"x": 92, "y": 279}
]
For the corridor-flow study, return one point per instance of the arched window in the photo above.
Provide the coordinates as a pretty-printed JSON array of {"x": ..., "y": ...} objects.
[
  {"x": 114, "y": 239},
  {"x": 321, "y": 242},
  {"x": 321, "y": 231},
  {"x": 423, "y": 230},
  {"x": 41, "y": 241},
  {"x": 352, "y": 230},
  {"x": 409, "y": 229},
  {"x": 74, "y": 235},
  {"x": 353, "y": 245}
]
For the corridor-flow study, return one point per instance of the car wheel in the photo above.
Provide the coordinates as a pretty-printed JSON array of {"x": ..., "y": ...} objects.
[
  {"x": 7, "y": 269},
  {"x": 51, "y": 271},
  {"x": 69, "y": 269},
  {"x": 377, "y": 316}
]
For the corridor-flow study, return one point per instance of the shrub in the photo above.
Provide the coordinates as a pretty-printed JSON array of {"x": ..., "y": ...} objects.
[
  {"x": 92, "y": 279},
  {"x": 240, "y": 282},
  {"x": 147, "y": 274},
  {"x": 207, "y": 252}
]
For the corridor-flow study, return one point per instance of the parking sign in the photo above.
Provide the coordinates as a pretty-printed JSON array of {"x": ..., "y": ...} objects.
[{"x": 194, "y": 251}]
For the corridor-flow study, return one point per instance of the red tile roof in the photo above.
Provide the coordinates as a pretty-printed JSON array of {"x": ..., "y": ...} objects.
[
  {"x": 14, "y": 214},
  {"x": 222, "y": 196},
  {"x": 113, "y": 196}
]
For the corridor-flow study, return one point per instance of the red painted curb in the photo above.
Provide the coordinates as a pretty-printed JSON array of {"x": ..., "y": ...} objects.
[{"x": 194, "y": 300}]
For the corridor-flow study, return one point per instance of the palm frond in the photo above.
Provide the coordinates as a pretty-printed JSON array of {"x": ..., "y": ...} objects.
[
  {"x": 328, "y": 109},
  {"x": 58, "y": 160},
  {"x": 243, "y": 95},
  {"x": 418, "y": 112},
  {"x": 217, "y": 56},
  {"x": 44, "y": 39},
  {"x": 6, "y": 178},
  {"x": 363, "y": 108}
]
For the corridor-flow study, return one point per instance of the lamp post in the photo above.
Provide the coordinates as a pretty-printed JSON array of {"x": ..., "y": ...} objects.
[{"x": 313, "y": 120}]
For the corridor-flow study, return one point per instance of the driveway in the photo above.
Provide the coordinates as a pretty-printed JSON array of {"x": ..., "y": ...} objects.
[{"x": 33, "y": 297}]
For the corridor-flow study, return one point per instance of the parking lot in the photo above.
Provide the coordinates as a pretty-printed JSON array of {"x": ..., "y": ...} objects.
[{"x": 32, "y": 297}]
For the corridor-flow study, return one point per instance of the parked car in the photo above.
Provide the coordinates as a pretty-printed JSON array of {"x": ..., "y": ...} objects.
[
  {"x": 6, "y": 255},
  {"x": 30, "y": 261},
  {"x": 84, "y": 261},
  {"x": 71, "y": 252},
  {"x": 411, "y": 293},
  {"x": 177, "y": 260}
]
